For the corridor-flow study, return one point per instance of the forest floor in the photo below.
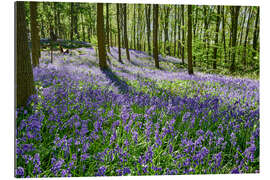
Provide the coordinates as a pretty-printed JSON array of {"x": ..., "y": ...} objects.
[{"x": 135, "y": 119}]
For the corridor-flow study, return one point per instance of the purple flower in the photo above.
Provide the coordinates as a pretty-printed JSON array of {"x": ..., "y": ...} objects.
[
  {"x": 57, "y": 166},
  {"x": 186, "y": 116},
  {"x": 84, "y": 131},
  {"x": 126, "y": 170},
  {"x": 84, "y": 156},
  {"x": 124, "y": 117},
  {"x": 20, "y": 171},
  {"x": 64, "y": 172},
  {"x": 101, "y": 171},
  {"x": 235, "y": 171},
  {"x": 113, "y": 137},
  {"x": 27, "y": 147},
  {"x": 135, "y": 136}
]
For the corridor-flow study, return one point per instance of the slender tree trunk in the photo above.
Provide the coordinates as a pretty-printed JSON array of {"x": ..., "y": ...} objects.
[
  {"x": 134, "y": 26},
  {"x": 125, "y": 30},
  {"x": 194, "y": 32},
  {"x": 166, "y": 31},
  {"x": 206, "y": 34},
  {"x": 216, "y": 39},
  {"x": 190, "y": 67},
  {"x": 24, "y": 75},
  {"x": 183, "y": 33},
  {"x": 119, "y": 33},
  {"x": 179, "y": 32},
  {"x": 256, "y": 33},
  {"x": 148, "y": 14},
  {"x": 139, "y": 29},
  {"x": 107, "y": 28},
  {"x": 71, "y": 20},
  {"x": 155, "y": 34},
  {"x": 60, "y": 30},
  {"x": 83, "y": 28},
  {"x": 246, "y": 39},
  {"x": 101, "y": 37},
  {"x": 34, "y": 34},
  {"x": 235, "y": 13},
  {"x": 223, "y": 34},
  {"x": 55, "y": 6},
  {"x": 243, "y": 26},
  {"x": 174, "y": 32}
]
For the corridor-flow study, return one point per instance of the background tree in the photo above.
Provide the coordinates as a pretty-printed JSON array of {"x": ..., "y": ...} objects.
[
  {"x": 147, "y": 16},
  {"x": 256, "y": 33},
  {"x": 190, "y": 67},
  {"x": 216, "y": 38},
  {"x": 34, "y": 34},
  {"x": 24, "y": 74},
  {"x": 183, "y": 33},
  {"x": 244, "y": 61},
  {"x": 234, "y": 14},
  {"x": 155, "y": 34},
  {"x": 125, "y": 30},
  {"x": 119, "y": 33},
  {"x": 101, "y": 37}
]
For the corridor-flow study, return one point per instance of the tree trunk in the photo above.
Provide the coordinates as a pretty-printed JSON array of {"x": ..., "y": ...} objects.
[
  {"x": 24, "y": 74},
  {"x": 71, "y": 20},
  {"x": 216, "y": 39},
  {"x": 174, "y": 32},
  {"x": 101, "y": 37},
  {"x": 235, "y": 13},
  {"x": 179, "y": 32},
  {"x": 55, "y": 7},
  {"x": 223, "y": 33},
  {"x": 34, "y": 34},
  {"x": 190, "y": 67},
  {"x": 59, "y": 23},
  {"x": 125, "y": 30},
  {"x": 139, "y": 29},
  {"x": 256, "y": 33},
  {"x": 148, "y": 14},
  {"x": 166, "y": 31},
  {"x": 107, "y": 28},
  {"x": 246, "y": 39},
  {"x": 134, "y": 26},
  {"x": 155, "y": 34},
  {"x": 183, "y": 33},
  {"x": 83, "y": 28},
  {"x": 119, "y": 33}
]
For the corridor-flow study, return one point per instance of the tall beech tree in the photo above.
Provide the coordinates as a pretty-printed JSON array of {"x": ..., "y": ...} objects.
[
  {"x": 189, "y": 40},
  {"x": 234, "y": 13},
  {"x": 35, "y": 39},
  {"x": 166, "y": 30},
  {"x": 24, "y": 74},
  {"x": 183, "y": 33},
  {"x": 155, "y": 34},
  {"x": 101, "y": 37},
  {"x": 107, "y": 28},
  {"x": 223, "y": 33},
  {"x": 125, "y": 30},
  {"x": 244, "y": 60},
  {"x": 216, "y": 38},
  {"x": 256, "y": 33},
  {"x": 148, "y": 24},
  {"x": 118, "y": 32}
]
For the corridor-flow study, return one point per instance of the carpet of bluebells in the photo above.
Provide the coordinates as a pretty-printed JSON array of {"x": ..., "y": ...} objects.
[{"x": 135, "y": 119}]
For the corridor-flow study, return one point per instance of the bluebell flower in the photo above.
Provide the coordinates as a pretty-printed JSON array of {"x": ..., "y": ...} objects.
[{"x": 20, "y": 171}]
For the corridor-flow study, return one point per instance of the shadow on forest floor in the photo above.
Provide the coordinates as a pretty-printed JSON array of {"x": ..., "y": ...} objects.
[{"x": 120, "y": 84}]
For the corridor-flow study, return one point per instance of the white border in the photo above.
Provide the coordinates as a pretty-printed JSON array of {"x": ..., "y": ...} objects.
[{"x": 7, "y": 88}]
